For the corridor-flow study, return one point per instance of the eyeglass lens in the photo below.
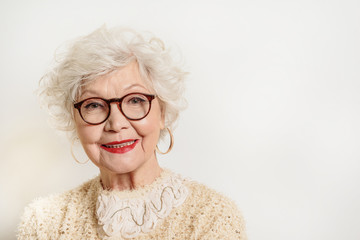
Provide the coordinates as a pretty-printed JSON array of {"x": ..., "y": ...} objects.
[{"x": 133, "y": 106}]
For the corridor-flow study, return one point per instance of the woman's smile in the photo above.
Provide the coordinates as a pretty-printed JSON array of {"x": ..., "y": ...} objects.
[{"x": 120, "y": 147}]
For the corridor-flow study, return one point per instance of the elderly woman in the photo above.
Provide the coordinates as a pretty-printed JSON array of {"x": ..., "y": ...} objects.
[{"x": 118, "y": 92}]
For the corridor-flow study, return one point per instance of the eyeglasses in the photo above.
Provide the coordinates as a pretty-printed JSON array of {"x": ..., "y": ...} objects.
[{"x": 134, "y": 106}]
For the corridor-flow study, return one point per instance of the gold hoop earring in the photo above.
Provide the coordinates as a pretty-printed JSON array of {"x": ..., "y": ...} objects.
[
  {"x": 73, "y": 155},
  {"x": 171, "y": 144}
]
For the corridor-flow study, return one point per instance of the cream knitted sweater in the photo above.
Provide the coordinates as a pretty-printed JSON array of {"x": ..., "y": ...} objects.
[{"x": 182, "y": 209}]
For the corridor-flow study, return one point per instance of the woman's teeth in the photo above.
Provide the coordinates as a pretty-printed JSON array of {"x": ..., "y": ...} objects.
[{"x": 120, "y": 145}]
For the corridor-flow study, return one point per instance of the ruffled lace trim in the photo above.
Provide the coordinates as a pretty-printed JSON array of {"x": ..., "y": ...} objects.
[{"x": 128, "y": 216}]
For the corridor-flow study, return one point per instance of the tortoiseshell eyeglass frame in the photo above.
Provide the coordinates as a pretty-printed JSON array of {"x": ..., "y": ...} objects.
[{"x": 149, "y": 97}]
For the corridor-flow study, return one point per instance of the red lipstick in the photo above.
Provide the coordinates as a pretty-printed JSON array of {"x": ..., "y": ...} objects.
[{"x": 120, "y": 147}]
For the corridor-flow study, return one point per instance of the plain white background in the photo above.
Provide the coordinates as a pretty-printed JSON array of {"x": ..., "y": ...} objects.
[{"x": 273, "y": 116}]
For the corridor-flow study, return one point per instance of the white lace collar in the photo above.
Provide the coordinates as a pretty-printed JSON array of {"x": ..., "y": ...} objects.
[{"x": 129, "y": 213}]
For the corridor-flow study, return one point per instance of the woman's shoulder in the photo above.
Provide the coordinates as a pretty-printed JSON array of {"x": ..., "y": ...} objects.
[
  {"x": 215, "y": 214},
  {"x": 46, "y": 204},
  {"x": 205, "y": 194},
  {"x": 47, "y": 212}
]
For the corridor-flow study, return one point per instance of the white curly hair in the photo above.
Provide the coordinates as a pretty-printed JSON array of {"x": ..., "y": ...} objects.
[{"x": 104, "y": 50}]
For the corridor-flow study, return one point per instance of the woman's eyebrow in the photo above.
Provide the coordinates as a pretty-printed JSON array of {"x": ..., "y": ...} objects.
[
  {"x": 89, "y": 92},
  {"x": 134, "y": 85}
]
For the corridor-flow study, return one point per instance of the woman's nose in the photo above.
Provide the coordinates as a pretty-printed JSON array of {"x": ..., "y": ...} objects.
[{"x": 116, "y": 120}]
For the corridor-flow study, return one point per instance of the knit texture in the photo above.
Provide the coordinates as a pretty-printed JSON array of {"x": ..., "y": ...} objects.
[{"x": 205, "y": 214}]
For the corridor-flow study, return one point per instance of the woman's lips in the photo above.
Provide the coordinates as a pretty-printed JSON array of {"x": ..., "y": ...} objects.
[{"x": 120, "y": 147}]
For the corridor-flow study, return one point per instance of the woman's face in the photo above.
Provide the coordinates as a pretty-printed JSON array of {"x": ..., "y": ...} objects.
[{"x": 101, "y": 142}]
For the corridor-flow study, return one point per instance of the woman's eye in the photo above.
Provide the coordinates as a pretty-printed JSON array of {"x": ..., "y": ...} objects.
[
  {"x": 136, "y": 100},
  {"x": 93, "y": 105}
]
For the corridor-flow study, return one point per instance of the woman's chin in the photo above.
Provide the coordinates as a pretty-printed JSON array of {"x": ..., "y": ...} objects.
[{"x": 119, "y": 166}]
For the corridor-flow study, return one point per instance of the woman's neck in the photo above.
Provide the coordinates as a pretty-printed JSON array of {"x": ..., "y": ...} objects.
[{"x": 142, "y": 176}]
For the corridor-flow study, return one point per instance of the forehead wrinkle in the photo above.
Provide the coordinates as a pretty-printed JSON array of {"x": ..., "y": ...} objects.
[{"x": 111, "y": 86}]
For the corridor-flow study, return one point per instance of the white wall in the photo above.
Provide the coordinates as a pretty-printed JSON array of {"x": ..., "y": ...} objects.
[{"x": 273, "y": 117}]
